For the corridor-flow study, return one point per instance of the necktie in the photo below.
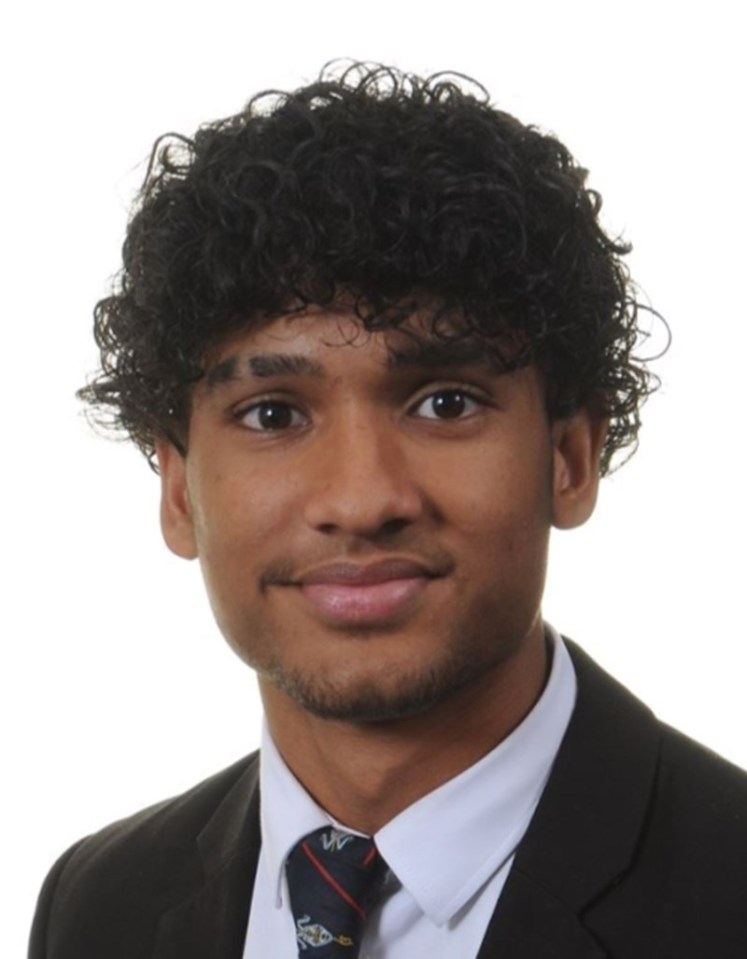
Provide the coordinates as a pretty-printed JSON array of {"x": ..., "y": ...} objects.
[{"x": 334, "y": 879}]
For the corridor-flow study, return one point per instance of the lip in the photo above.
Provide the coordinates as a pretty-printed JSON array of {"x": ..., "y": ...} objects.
[
  {"x": 369, "y": 574},
  {"x": 365, "y": 595}
]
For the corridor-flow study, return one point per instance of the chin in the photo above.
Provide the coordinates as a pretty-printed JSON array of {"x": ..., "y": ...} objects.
[{"x": 377, "y": 700}]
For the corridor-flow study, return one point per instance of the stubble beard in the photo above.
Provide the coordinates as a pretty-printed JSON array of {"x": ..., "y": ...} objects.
[{"x": 371, "y": 700}]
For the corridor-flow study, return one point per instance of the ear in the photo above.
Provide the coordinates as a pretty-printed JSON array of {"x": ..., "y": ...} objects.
[
  {"x": 177, "y": 524},
  {"x": 578, "y": 442}
]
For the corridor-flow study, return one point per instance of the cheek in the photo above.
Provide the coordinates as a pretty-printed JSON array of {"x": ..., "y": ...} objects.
[
  {"x": 510, "y": 547},
  {"x": 503, "y": 523},
  {"x": 496, "y": 498},
  {"x": 240, "y": 517},
  {"x": 505, "y": 575}
]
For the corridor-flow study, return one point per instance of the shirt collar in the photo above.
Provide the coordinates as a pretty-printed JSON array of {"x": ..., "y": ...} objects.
[
  {"x": 287, "y": 812},
  {"x": 496, "y": 798}
]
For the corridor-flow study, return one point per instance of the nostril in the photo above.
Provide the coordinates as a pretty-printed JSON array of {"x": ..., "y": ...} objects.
[
  {"x": 393, "y": 526},
  {"x": 388, "y": 528}
]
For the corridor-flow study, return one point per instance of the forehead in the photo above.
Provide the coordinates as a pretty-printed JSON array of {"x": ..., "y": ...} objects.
[{"x": 307, "y": 344}]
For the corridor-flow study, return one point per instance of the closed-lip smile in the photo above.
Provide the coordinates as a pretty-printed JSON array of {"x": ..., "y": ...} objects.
[{"x": 365, "y": 595}]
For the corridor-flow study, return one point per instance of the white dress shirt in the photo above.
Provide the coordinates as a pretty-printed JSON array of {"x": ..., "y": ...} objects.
[{"x": 450, "y": 852}]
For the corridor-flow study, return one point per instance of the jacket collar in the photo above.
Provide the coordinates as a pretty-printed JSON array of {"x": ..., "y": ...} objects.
[
  {"x": 211, "y": 922},
  {"x": 587, "y": 826}
]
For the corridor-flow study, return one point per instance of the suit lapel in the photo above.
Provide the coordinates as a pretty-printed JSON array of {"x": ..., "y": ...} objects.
[
  {"x": 586, "y": 828},
  {"x": 531, "y": 923},
  {"x": 211, "y": 922}
]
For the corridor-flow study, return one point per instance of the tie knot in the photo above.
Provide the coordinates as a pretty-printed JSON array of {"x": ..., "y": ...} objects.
[{"x": 334, "y": 880}]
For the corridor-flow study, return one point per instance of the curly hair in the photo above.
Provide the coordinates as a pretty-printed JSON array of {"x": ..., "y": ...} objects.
[{"x": 391, "y": 191}]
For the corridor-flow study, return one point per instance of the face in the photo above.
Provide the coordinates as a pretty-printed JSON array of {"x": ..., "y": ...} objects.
[{"x": 372, "y": 511}]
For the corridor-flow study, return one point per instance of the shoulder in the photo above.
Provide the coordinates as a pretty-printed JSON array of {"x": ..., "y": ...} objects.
[
  {"x": 169, "y": 825},
  {"x": 686, "y": 778},
  {"x": 150, "y": 859},
  {"x": 683, "y": 764},
  {"x": 703, "y": 796}
]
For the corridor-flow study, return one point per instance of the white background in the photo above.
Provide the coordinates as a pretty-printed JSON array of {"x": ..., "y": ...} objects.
[{"x": 117, "y": 689}]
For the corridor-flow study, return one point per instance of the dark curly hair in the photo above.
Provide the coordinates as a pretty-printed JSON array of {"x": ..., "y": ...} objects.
[{"x": 388, "y": 190}]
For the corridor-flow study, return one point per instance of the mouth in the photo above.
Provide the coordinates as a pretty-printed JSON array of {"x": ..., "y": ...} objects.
[{"x": 350, "y": 594}]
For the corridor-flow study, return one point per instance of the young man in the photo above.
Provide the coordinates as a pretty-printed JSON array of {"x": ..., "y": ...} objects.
[{"x": 377, "y": 344}]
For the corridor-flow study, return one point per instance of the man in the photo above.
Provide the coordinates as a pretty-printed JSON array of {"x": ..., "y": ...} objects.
[{"x": 377, "y": 344}]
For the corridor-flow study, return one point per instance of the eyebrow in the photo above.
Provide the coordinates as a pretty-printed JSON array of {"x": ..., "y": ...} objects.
[
  {"x": 263, "y": 365},
  {"x": 422, "y": 354}
]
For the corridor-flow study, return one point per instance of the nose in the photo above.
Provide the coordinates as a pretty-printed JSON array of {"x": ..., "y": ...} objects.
[{"x": 363, "y": 482}]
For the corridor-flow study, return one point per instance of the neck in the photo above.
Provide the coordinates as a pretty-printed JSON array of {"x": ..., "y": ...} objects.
[{"x": 364, "y": 774}]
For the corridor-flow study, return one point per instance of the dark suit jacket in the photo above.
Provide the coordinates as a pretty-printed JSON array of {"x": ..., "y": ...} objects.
[{"x": 638, "y": 849}]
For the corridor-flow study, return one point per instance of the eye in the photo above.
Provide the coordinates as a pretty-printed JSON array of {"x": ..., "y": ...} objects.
[
  {"x": 269, "y": 416},
  {"x": 447, "y": 405}
]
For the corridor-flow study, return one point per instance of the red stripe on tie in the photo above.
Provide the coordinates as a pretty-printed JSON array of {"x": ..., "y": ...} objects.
[
  {"x": 340, "y": 890},
  {"x": 370, "y": 856}
]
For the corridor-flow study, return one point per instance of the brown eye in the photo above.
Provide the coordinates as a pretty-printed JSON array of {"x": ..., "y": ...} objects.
[
  {"x": 271, "y": 415},
  {"x": 447, "y": 405}
]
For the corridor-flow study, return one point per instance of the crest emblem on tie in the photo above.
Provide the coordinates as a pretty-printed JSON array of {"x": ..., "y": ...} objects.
[{"x": 312, "y": 935}]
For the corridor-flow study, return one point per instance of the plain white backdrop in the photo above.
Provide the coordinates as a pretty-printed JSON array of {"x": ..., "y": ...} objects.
[{"x": 117, "y": 689}]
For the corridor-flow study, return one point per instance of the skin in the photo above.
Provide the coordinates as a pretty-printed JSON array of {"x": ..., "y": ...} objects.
[{"x": 308, "y": 447}]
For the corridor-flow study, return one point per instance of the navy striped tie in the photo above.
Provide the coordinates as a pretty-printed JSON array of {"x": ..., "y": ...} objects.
[{"x": 334, "y": 880}]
